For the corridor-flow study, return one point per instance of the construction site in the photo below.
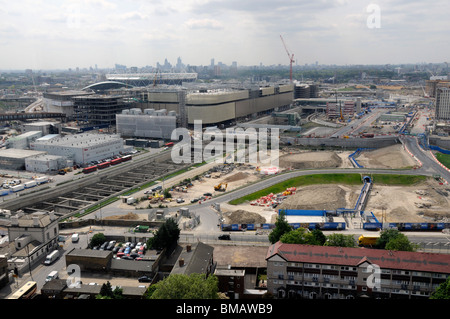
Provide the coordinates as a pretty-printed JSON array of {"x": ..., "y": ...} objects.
[{"x": 420, "y": 203}]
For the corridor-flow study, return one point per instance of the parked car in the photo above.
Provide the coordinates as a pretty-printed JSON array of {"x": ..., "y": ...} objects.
[
  {"x": 144, "y": 279},
  {"x": 104, "y": 245},
  {"x": 111, "y": 245},
  {"x": 224, "y": 237}
]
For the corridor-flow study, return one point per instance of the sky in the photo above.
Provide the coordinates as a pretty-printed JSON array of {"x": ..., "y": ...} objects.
[{"x": 62, "y": 34}]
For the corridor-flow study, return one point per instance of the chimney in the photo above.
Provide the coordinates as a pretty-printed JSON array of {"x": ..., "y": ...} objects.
[
  {"x": 181, "y": 262},
  {"x": 188, "y": 248},
  {"x": 35, "y": 221},
  {"x": 15, "y": 220}
]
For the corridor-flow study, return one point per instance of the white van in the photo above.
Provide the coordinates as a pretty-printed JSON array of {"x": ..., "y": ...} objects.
[
  {"x": 52, "y": 275},
  {"x": 51, "y": 257},
  {"x": 75, "y": 238}
]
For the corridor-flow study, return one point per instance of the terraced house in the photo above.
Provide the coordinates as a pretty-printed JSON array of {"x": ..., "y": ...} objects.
[{"x": 306, "y": 271}]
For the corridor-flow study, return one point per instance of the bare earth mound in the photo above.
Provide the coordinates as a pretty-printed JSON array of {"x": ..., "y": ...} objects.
[
  {"x": 129, "y": 216},
  {"x": 316, "y": 197},
  {"x": 310, "y": 160},
  {"x": 393, "y": 156},
  {"x": 236, "y": 177},
  {"x": 243, "y": 217}
]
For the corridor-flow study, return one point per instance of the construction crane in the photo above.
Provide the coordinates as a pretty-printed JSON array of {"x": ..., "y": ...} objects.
[{"x": 291, "y": 58}]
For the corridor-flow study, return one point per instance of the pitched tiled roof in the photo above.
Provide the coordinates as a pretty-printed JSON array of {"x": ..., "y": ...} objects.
[{"x": 403, "y": 260}]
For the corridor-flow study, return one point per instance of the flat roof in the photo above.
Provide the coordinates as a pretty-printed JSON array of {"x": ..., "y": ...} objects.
[
  {"x": 90, "y": 253},
  {"x": 19, "y": 153}
]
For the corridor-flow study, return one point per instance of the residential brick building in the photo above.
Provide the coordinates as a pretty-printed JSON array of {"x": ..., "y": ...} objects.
[{"x": 306, "y": 271}]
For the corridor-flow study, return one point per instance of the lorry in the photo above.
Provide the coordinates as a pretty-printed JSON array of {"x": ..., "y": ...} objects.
[
  {"x": 367, "y": 241},
  {"x": 51, "y": 257}
]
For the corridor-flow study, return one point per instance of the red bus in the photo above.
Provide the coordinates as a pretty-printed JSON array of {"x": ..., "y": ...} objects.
[
  {"x": 116, "y": 161},
  {"x": 169, "y": 144},
  {"x": 89, "y": 169},
  {"x": 126, "y": 158},
  {"x": 103, "y": 165}
]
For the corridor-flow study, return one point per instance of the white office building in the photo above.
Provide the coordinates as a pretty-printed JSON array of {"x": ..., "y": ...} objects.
[
  {"x": 82, "y": 148},
  {"x": 150, "y": 124}
]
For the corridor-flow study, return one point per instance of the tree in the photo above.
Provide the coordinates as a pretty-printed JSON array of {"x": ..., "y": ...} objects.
[
  {"x": 296, "y": 236},
  {"x": 318, "y": 238},
  {"x": 392, "y": 239},
  {"x": 179, "y": 286},
  {"x": 166, "y": 236},
  {"x": 401, "y": 243},
  {"x": 106, "y": 292},
  {"x": 167, "y": 193},
  {"x": 97, "y": 240},
  {"x": 385, "y": 237},
  {"x": 442, "y": 291},
  {"x": 281, "y": 227},
  {"x": 340, "y": 240}
]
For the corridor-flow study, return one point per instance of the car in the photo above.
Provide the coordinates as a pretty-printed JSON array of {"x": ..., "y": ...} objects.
[
  {"x": 224, "y": 237},
  {"x": 180, "y": 200},
  {"x": 194, "y": 200},
  {"x": 104, "y": 245},
  {"x": 116, "y": 250},
  {"x": 207, "y": 194},
  {"x": 134, "y": 255},
  {"x": 111, "y": 245},
  {"x": 144, "y": 279},
  {"x": 127, "y": 251}
]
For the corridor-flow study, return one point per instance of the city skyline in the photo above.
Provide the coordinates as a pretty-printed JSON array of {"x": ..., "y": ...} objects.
[{"x": 49, "y": 34}]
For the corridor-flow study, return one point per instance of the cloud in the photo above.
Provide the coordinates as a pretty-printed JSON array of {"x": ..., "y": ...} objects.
[{"x": 204, "y": 24}]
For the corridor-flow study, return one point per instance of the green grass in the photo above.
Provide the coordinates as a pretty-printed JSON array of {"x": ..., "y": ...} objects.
[
  {"x": 444, "y": 159},
  {"x": 347, "y": 179}
]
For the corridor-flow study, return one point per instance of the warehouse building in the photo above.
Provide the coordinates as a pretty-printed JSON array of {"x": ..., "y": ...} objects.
[
  {"x": 82, "y": 148},
  {"x": 150, "y": 124},
  {"x": 46, "y": 163},
  {"x": 45, "y": 127},
  {"x": 23, "y": 141},
  {"x": 14, "y": 159}
]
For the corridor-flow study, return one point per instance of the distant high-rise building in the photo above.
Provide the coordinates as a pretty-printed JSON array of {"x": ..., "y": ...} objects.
[
  {"x": 212, "y": 62},
  {"x": 442, "y": 103}
]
